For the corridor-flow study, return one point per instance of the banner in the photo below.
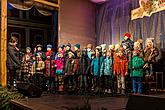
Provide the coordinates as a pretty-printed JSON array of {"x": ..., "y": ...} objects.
[{"x": 147, "y": 8}]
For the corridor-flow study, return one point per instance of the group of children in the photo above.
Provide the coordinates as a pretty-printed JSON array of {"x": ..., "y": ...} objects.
[{"x": 89, "y": 69}]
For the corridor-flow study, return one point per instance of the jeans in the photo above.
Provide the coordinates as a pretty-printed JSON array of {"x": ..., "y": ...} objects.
[
  {"x": 120, "y": 82},
  {"x": 108, "y": 82},
  {"x": 96, "y": 82},
  {"x": 151, "y": 69},
  {"x": 50, "y": 82},
  {"x": 83, "y": 81},
  {"x": 136, "y": 87},
  {"x": 70, "y": 79}
]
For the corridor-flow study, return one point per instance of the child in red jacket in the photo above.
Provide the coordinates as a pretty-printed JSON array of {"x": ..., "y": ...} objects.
[
  {"x": 49, "y": 68},
  {"x": 120, "y": 70}
]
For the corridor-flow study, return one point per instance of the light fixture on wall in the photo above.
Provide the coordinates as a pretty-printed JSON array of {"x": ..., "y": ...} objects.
[{"x": 98, "y": 1}]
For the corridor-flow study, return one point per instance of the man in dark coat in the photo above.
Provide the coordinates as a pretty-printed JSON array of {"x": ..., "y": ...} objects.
[{"x": 13, "y": 62}]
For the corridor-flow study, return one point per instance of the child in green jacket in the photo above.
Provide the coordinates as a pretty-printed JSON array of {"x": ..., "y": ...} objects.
[{"x": 136, "y": 74}]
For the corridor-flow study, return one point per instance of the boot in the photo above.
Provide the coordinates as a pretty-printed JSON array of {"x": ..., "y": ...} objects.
[
  {"x": 96, "y": 89},
  {"x": 92, "y": 88},
  {"x": 123, "y": 92},
  {"x": 109, "y": 91},
  {"x": 105, "y": 91}
]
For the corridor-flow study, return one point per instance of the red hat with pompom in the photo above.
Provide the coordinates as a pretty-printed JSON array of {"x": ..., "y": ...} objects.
[{"x": 127, "y": 34}]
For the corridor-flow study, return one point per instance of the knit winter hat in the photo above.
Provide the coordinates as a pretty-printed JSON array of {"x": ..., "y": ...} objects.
[
  {"x": 68, "y": 44},
  {"x": 28, "y": 48},
  {"x": 39, "y": 45},
  {"x": 61, "y": 46},
  {"x": 77, "y": 45},
  {"x": 49, "y": 46},
  {"x": 128, "y": 35}
]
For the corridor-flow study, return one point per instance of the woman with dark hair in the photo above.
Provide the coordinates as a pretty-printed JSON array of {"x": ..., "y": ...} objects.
[{"x": 13, "y": 62}]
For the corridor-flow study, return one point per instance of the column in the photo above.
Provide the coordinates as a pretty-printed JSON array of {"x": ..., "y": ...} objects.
[
  {"x": 59, "y": 23},
  {"x": 3, "y": 69}
]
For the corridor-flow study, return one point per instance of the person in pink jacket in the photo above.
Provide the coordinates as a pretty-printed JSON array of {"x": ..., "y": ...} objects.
[{"x": 59, "y": 64}]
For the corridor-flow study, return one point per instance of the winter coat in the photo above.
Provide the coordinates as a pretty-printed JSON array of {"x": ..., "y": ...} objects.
[
  {"x": 49, "y": 68},
  {"x": 152, "y": 54},
  {"x": 13, "y": 61},
  {"x": 59, "y": 64},
  {"x": 107, "y": 67},
  {"x": 51, "y": 54},
  {"x": 120, "y": 65},
  {"x": 115, "y": 55},
  {"x": 95, "y": 66},
  {"x": 26, "y": 63},
  {"x": 129, "y": 43},
  {"x": 37, "y": 67},
  {"x": 77, "y": 54},
  {"x": 84, "y": 65},
  {"x": 136, "y": 67},
  {"x": 128, "y": 54},
  {"x": 66, "y": 54},
  {"x": 76, "y": 67},
  {"x": 69, "y": 65}
]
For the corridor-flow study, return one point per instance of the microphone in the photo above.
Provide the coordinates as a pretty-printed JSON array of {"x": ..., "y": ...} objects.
[{"x": 21, "y": 53}]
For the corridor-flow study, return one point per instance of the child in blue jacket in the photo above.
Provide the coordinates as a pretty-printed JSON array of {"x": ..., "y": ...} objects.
[
  {"x": 106, "y": 71},
  {"x": 95, "y": 69}
]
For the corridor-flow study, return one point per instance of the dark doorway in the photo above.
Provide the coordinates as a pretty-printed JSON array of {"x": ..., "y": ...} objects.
[{"x": 32, "y": 28}]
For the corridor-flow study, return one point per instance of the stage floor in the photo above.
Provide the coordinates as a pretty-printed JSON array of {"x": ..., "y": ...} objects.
[{"x": 61, "y": 102}]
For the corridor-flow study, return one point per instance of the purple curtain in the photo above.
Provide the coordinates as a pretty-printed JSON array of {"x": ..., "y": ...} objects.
[{"x": 113, "y": 20}]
